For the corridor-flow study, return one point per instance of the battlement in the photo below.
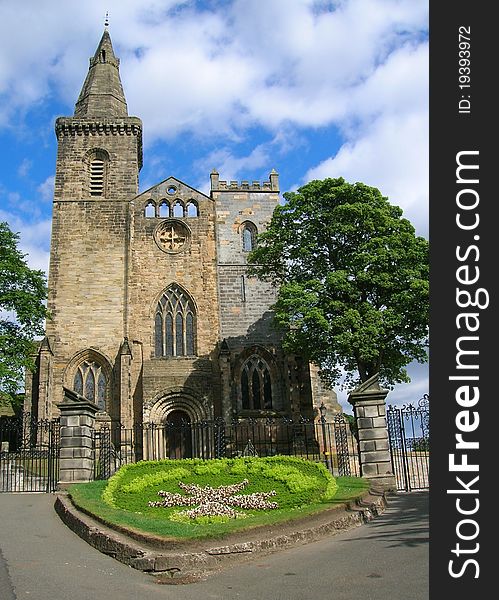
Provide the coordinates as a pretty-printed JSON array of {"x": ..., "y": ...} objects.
[
  {"x": 73, "y": 126},
  {"x": 272, "y": 185}
]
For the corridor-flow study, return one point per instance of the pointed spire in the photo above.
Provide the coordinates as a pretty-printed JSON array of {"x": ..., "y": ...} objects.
[{"x": 102, "y": 93}]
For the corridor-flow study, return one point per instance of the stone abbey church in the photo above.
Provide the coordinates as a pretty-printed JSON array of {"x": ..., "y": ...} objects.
[{"x": 153, "y": 317}]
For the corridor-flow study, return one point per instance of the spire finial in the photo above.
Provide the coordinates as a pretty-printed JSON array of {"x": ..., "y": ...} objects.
[{"x": 106, "y": 20}]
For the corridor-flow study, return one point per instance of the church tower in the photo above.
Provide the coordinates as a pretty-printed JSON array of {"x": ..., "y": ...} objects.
[{"x": 98, "y": 162}]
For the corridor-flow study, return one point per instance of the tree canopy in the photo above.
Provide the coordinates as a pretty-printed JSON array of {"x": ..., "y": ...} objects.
[
  {"x": 22, "y": 313},
  {"x": 353, "y": 281}
]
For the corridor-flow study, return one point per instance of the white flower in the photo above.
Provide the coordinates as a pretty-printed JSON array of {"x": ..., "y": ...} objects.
[{"x": 212, "y": 502}]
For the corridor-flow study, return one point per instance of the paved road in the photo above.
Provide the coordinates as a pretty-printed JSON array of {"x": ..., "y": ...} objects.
[{"x": 387, "y": 559}]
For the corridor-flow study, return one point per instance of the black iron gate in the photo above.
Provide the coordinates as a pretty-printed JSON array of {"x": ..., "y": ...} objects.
[
  {"x": 29, "y": 454},
  {"x": 409, "y": 434}
]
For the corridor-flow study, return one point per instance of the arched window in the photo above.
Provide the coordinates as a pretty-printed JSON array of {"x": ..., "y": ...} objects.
[
  {"x": 90, "y": 382},
  {"x": 97, "y": 164},
  {"x": 150, "y": 210},
  {"x": 178, "y": 210},
  {"x": 192, "y": 209},
  {"x": 164, "y": 209},
  {"x": 248, "y": 233},
  {"x": 256, "y": 384},
  {"x": 175, "y": 324}
]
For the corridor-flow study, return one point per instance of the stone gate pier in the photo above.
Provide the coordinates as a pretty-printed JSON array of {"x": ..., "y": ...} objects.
[
  {"x": 76, "y": 459},
  {"x": 369, "y": 404}
]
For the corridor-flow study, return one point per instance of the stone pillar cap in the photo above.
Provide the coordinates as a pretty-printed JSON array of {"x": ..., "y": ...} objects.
[
  {"x": 73, "y": 400},
  {"x": 368, "y": 390}
]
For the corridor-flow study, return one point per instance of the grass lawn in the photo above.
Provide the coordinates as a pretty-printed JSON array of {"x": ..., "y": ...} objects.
[{"x": 156, "y": 521}]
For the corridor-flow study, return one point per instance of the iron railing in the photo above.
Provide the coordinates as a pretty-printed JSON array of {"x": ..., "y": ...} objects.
[
  {"x": 29, "y": 454},
  {"x": 331, "y": 443}
]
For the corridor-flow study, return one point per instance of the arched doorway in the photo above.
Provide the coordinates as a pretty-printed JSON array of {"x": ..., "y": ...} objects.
[{"x": 178, "y": 434}]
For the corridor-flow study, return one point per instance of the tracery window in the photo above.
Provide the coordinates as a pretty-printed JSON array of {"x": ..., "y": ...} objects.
[
  {"x": 90, "y": 382},
  {"x": 174, "y": 324},
  {"x": 248, "y": 232},
  {"x": 256, "y": 384}
]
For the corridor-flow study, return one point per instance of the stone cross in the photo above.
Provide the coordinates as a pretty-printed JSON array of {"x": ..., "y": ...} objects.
[{"x": 172, "y": 239}]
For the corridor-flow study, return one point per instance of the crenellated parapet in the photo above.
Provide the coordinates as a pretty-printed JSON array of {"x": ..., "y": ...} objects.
[
  {"x": 272, "y": 185},
  {"x": 71, "y": 126}
]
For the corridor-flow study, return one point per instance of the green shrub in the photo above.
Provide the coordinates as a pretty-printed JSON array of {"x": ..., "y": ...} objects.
[{"x": 154, "y": 479}]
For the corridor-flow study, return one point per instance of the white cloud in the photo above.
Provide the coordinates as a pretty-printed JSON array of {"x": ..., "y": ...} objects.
[
  {"x": 46, "y": 189},
  {"x": 34, "y": 239},
  {"x": 387, "y": 136},
  {"x": 402, "y": 393},
  {"x": 230, "y": 166},
  {"x": 210, "y": 72},
  {"x": 391, "y": 155},
  {"x": 24, "y": 167}
]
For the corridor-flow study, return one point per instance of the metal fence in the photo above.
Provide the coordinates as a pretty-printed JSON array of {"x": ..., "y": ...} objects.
[
  {"x": 409, "y": 434},
  {"x": 29, "y": 454},
  {"x": 331, "y": 443}
]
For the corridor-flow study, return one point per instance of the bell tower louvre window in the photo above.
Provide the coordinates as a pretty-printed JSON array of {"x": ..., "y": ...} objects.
[{"x": 97, "y": 177}]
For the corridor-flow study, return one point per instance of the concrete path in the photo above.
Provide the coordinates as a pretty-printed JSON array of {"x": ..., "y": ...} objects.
[{"x": 387, "y": 559}]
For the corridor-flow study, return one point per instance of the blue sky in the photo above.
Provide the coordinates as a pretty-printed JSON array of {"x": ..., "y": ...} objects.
[{"x": 312, "y": 88}]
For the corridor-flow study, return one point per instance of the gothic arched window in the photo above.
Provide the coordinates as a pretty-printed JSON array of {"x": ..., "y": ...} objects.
[
  {"x": 90, "y": 382},
  {"x": 150, "y": 210},
  {"x": 192, "y": 209},
  {"x": 164, "y": 209},
  {"x": 256, "y": 384},
  {"x": 175, "y": 324},
  {"x": 178, "y": 210},
  {"x": 248, "y": 233}
]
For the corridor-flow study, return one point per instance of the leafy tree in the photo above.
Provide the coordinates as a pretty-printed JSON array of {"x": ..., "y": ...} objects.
[
  {"x": 353, "y": 281},
  {"x": 22, "y": 314}
]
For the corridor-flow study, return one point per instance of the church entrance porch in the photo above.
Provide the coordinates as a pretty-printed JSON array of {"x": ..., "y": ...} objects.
[{"x": 178, "y": 435}]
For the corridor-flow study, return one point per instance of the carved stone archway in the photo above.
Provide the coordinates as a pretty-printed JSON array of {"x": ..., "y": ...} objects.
[
  {"x": 173, "y": 425},
  {"x": 179, "y": 398}
]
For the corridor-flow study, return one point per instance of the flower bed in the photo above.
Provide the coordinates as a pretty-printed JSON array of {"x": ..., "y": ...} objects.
[{"x": 213, "y": 488}]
